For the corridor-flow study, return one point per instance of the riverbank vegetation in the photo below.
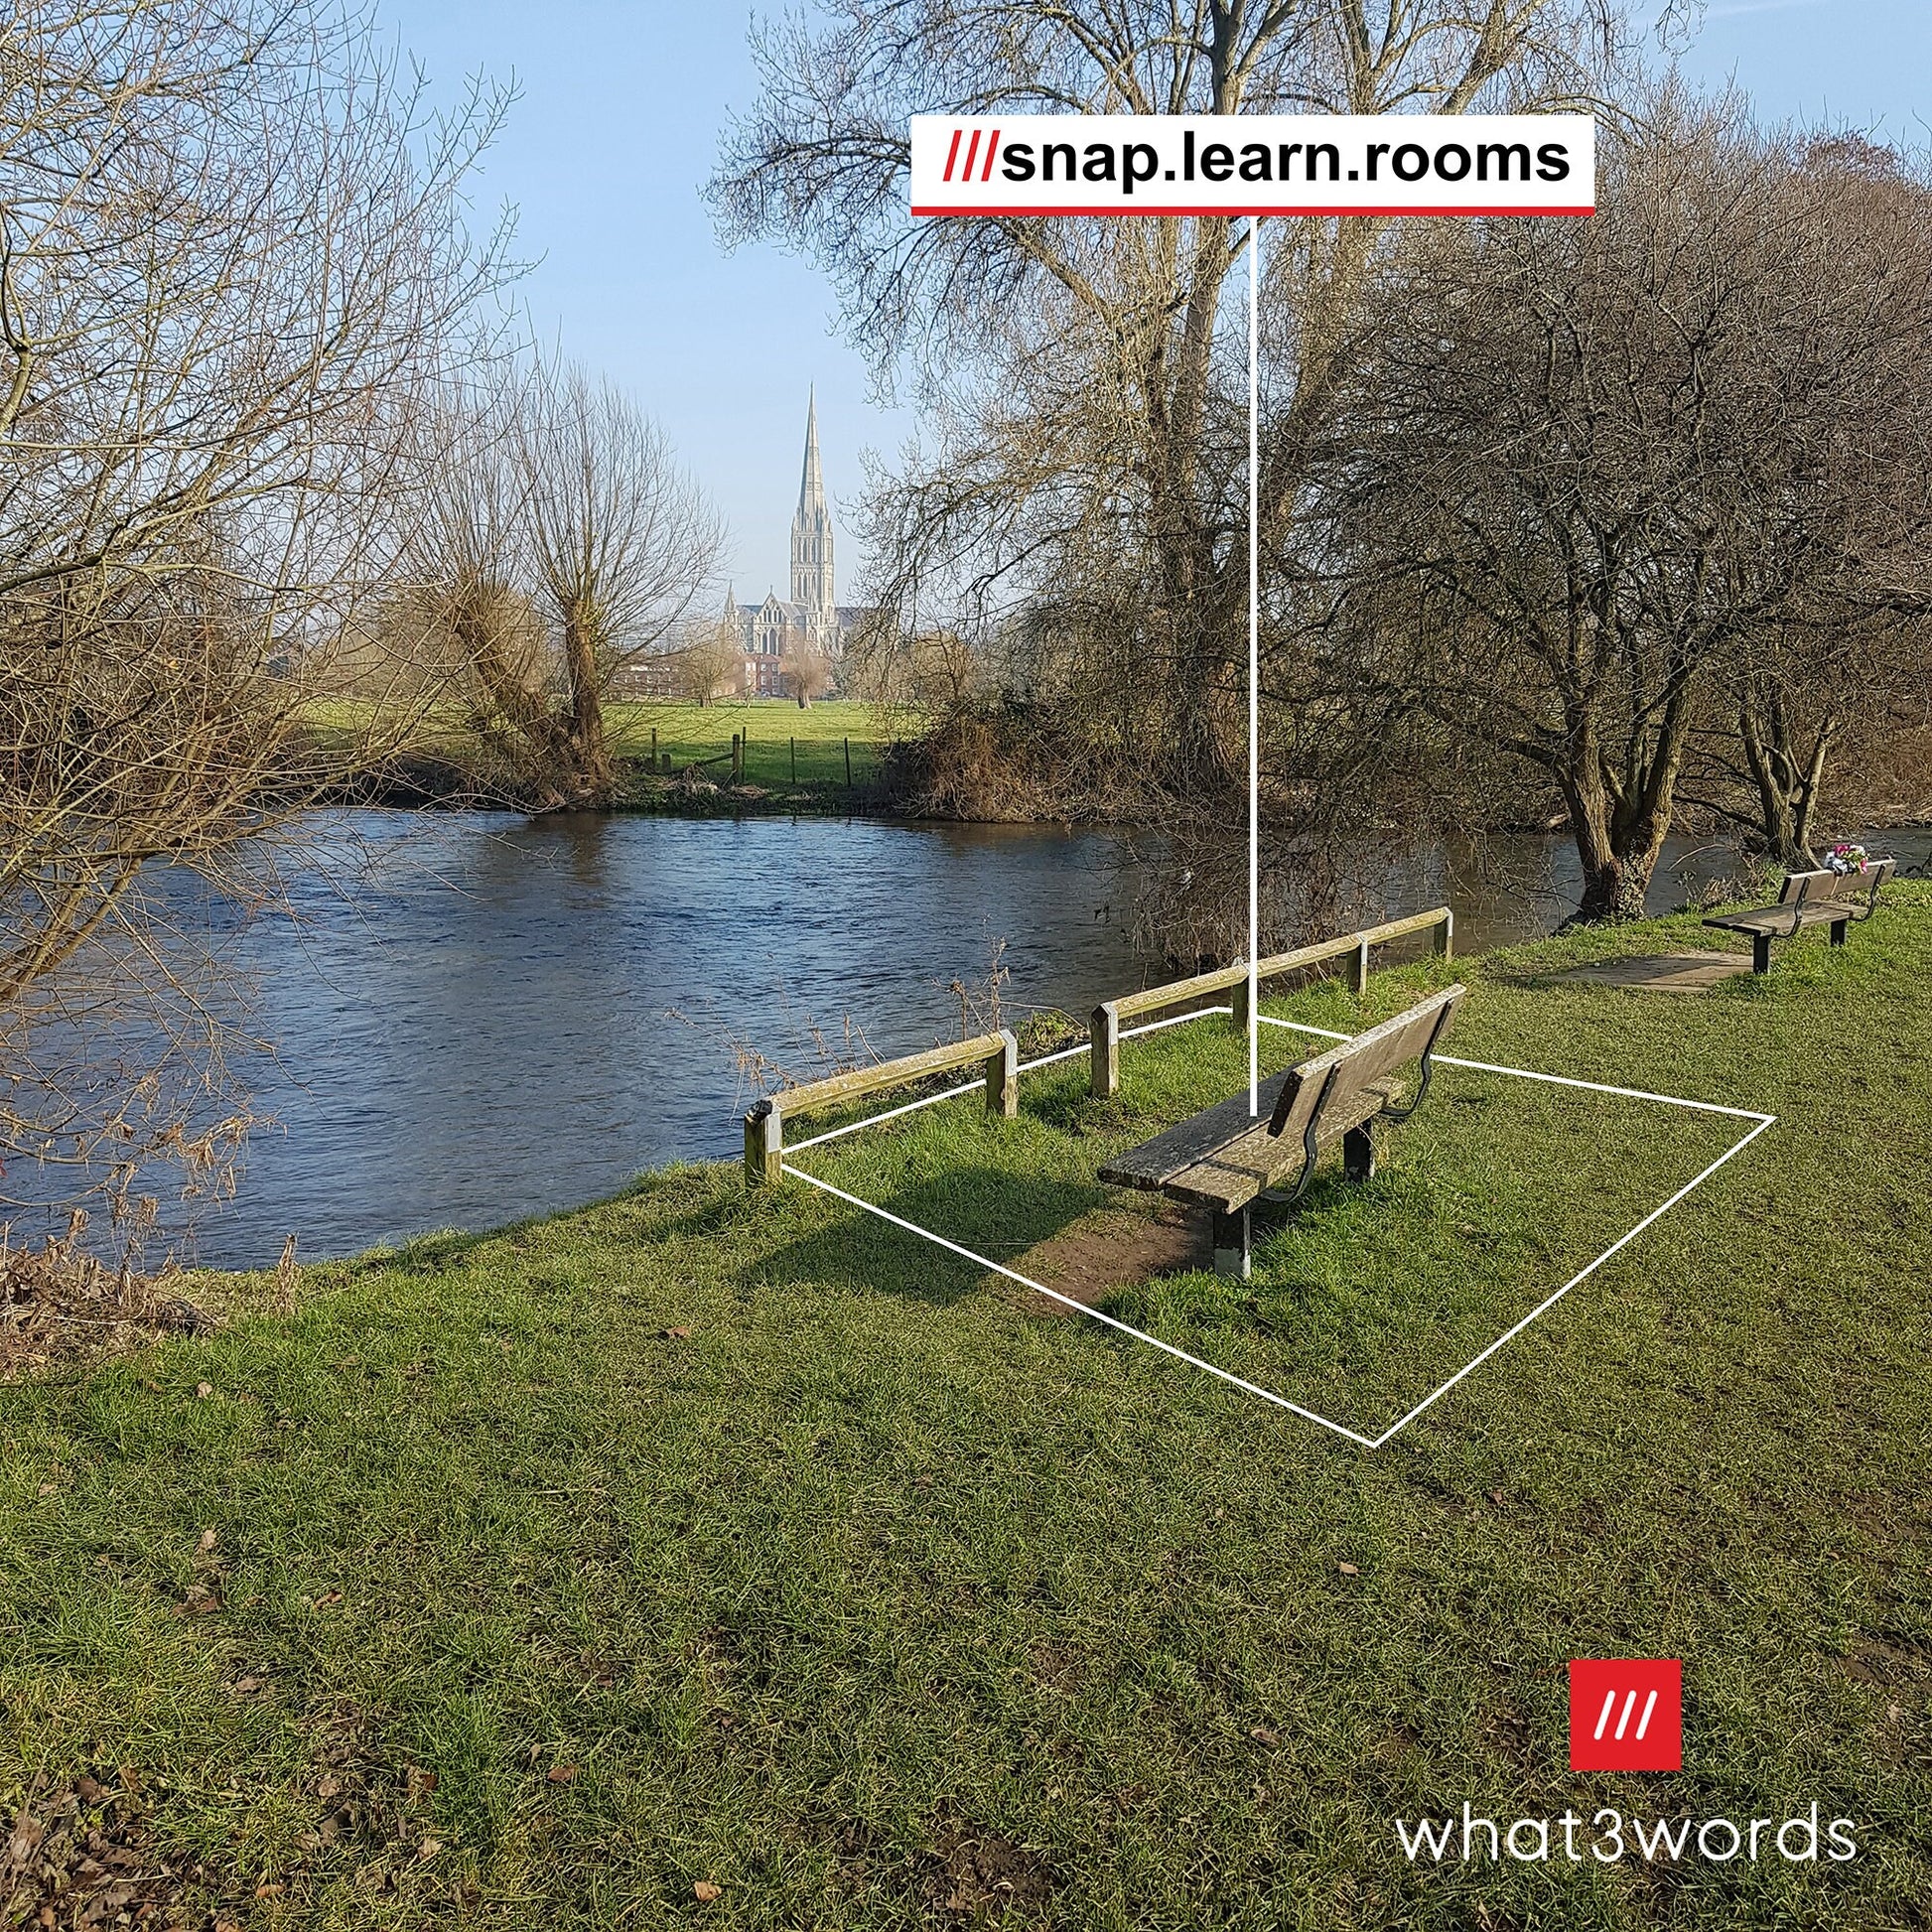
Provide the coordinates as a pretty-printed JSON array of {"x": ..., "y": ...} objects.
[{"x": 717, "y": 1558}]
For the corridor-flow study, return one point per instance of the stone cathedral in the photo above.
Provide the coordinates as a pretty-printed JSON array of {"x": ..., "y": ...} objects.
[{"x": 810, "y": 618}]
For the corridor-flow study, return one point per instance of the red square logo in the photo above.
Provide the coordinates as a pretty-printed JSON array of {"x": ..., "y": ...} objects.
[{"x": 1626, "y": 1714}]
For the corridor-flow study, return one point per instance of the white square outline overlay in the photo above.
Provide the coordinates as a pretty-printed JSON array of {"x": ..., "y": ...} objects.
[{"x": 1760, "y": 1123}]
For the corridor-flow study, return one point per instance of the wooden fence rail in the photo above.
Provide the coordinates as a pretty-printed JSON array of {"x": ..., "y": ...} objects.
[
  {"x": 1103, "y": 1076},
  {"x": 997, "y": 1053}
]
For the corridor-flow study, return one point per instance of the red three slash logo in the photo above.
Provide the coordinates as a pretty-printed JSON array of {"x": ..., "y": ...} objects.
[
  {"x": 1626, "y": 1714},
  {"x": 972, "y": 155}
]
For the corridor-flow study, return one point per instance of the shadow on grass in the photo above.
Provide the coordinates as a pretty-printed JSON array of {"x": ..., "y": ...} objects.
[{"x": 992, "y": 1211}]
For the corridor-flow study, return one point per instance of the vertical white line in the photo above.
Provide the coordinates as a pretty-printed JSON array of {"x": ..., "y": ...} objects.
[
  {"x": 1610, "y": 1705},
  {"x": 1629, "y": 1704},
  {"x": 1254, "y": 664},
  {"x": 1643, "y": 1723}
]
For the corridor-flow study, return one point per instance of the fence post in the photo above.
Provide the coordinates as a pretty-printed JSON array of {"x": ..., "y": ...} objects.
[
  {"x": 653, "y": 747},
  {"x": 795, "y": 761},
  {"x": 764, "y": 1134},
  {"x": 1003, "y": 1077},
  {"x": 848, "y": 765},
  {"x": 1445, "y": 935},
  {"x": 1358, "y": 977},
  {"x": 1103, "y": 1052},
  {"x": 1238, "y": 1000}
]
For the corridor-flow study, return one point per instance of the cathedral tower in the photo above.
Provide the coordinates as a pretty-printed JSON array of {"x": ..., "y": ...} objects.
[{"x": 811, "y": 537}]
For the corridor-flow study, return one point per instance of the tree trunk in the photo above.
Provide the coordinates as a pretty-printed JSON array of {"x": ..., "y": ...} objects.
[
  {"x": 590, "y": 781},
  {"x": 1787, "y": 789}
]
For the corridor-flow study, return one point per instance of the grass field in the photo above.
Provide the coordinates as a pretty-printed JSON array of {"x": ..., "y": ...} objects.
[
  {"x": 706, "y": 1540},
  {"x": 773, "y": 728},
  {"x": 787, "y": 747}
]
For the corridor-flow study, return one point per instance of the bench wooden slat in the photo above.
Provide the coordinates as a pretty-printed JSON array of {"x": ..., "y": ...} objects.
[
  {"x": 1224, "y": 1158},
  {"x": 1366, "y": 1059}
]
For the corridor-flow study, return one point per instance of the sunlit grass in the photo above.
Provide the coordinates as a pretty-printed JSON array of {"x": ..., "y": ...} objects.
[{"x": 809, "y": 1563}]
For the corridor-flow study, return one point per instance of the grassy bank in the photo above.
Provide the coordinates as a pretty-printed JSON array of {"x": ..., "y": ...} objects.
[
  {"x": 742, "y": 1543},
  {"x": 824, "y": 759}
]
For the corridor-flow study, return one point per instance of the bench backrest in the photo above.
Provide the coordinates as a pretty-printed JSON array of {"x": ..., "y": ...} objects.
[
  {"x": 1366, "y": 1058},
  {"x": 1804, "y": 888},
  {"x": 1811, "y": 887}
]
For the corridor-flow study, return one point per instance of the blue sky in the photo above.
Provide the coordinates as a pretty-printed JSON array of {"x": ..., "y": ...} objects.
[{"x": 617, "y": 129}]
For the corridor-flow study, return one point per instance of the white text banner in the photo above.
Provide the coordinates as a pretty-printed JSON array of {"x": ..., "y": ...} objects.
[{"x": 1254, "y": 164}]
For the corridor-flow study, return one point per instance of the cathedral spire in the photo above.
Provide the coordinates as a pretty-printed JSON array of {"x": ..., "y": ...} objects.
[
  {"x": 811, "y": 532},
  {"x": 811, "y": 486}
]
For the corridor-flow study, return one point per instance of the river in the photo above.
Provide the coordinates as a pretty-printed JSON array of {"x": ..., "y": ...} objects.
[{"x": 507, "y": 1017}]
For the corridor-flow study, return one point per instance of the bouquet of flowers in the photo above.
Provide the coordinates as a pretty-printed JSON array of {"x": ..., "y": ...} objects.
[{"x": 1845, "y": 859}]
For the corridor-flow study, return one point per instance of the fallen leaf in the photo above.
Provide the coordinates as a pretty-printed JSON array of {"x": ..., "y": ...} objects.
[
  {"x": 1348, "y": 1570},
  {"x": 1895, "y": 1712},
  {"x": 201, "y": 1603},
  {"x": 562, "y": 1773},
  {"x": 1263, "y": 1735},
  {"x": 49, "y": 1489},
  {"x": 674, "y": 1334},
  {"x": 271, "y": 1889},
  {"x": 207, "y": 1541},
  {"x": 202, "y": 1390},
  {"x": 429, "y": 1848},
  {"x": 328, "y": 1787},
  {"x": 244, "y": 1687},
  {"x": 328, "y": 1599},
  {"x": 705, "y": 1892},
  {"x": 420, "y": 1781},
  {"x": 1495, "y": 1496}
]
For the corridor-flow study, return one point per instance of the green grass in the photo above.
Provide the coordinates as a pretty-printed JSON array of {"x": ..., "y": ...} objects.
[
  {"x": 872, "y": 1588},
  {"x": 787, "y": 747},
  {"x": 772, "y": 725}
]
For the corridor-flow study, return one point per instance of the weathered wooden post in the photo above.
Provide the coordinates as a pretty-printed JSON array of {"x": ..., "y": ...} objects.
[
  {"x": 1358, "y": 976},
  {"x": 848, "y": 765},
  {"x": 738, "y": 757},
  {"x": 1445, "y": 935},
  {"x": 1003, "y": 1077},
  {"x": 653, "y": 747},
  {"x": 1103, "y": 1052},
  {"x": 1238, "y": 1002},
  {"x": 764, "y": 1134},
  {"x": 795, "y": 761}
]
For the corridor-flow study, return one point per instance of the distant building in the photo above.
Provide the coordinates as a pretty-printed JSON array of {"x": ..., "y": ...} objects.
[{"x": 811, "y": 620}]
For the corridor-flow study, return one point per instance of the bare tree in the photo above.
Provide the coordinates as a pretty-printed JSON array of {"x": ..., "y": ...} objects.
[
  {"x": 1087, "y": 456},
  {"x": 621, "y": 545},
  {"x": 554, "y": 501},
  {"x": 232, "y": 252},
  {"x": 1591, "y": 471},
  {"x": 807, "y": 673},
  {"x": 711, "y": 662}
]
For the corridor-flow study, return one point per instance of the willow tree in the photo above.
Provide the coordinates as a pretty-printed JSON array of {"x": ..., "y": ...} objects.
[{"x": 1085, "y": 469}]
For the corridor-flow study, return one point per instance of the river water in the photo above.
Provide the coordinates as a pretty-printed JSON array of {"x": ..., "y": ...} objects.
[{"x": 480, "y": 1017}]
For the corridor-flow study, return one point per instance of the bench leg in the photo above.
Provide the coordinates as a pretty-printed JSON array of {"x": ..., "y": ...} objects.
[
  {"x": 1359, "y": 1154},
  {"x": 1231, "y": 1232},
  {"x": 1837, "y": 932},
  {"x": 1760, "y": 952}
]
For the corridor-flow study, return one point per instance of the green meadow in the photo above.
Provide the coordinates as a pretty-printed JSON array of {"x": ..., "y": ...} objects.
[{"x": 723, "y": 1558}]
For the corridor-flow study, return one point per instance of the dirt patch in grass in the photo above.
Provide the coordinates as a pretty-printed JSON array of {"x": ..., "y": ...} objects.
[
  {"x": 58, "y": 1304},
  {"x": 83, "y": 1855},
  {"x": 974, "y": 1875},
  {"x": 1103, "y": 1253}
]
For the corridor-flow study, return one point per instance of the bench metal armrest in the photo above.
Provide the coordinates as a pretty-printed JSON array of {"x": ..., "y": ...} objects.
[
  {"x": 1311, "y": 1144},
  {"x": 1400, "y": 1114}
]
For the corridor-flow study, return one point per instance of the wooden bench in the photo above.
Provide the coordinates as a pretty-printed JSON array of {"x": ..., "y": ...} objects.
[
  {"x": 1227, "y": 1160},
  {"x": 1833, "y": 898}
]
